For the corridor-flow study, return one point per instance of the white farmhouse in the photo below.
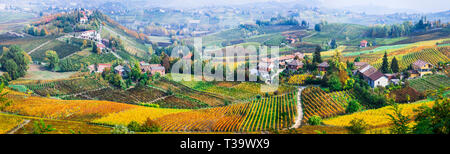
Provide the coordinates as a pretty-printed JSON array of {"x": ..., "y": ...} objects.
[{"x": 377, "y": 79}]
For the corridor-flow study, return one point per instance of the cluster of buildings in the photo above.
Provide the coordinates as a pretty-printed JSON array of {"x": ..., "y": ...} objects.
[
  {"x": 125, "y": 70},
  {"x": 288, "y": 61},
  {"x": 376, "y": 78}
]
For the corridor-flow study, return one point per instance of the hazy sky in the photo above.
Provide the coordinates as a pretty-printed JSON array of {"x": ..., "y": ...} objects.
[{"x": 419, "y": 5}]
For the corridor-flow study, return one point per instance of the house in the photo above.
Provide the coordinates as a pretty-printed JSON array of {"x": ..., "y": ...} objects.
[
  {"x": 323, "y": 66},
  {"x": 122, "y": 70},
  {"x": 363, "y": 44},
  {"x": 100, "y": 68},
  {"x": 90, "y": 35},
  {"x": 373, "y": 76},
  {"x": 359, "y": 64},
  {"x": 422, "y": 67},
  {"x": 157, "y": 69},
  {"x": 145, "y": 67},
  {"x": 413, "y": 73},
  {"x": 377, "y": 79},
  {"x": 119, "y": 69},
  {"x": 101, "y": 46},
  {"x": 299, "y": 55},
  {"x": 295, "y": 65},
  {"x": 83, "y": 20}
]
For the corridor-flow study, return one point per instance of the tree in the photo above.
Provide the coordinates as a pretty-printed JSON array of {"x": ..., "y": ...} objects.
[
  {"x": 84, "y": 44},
  {"x": 4, "y": 102},
  {"x": 353, "y": 106},
  {"x": 52, "y": 58},
  {"x": 316, "y": 55},
  {"x": 150, "y": 50},
  {"x": 41, "y": 128},
  {"x": 435, "y": 120},
  {"x": 334, "y": 83},
  {"x": 94, "y": 48},
  {"x": 315, "y": 120},
  {"x": 166, "y": 61},
  {"x": 318, "y": 27},
  {"x": 385, "y": 65},
  {"x": 18, "y": 63},
  {"x": 394, "y": 65},
  {"x": 155, "y": 59},
  {"x": 399, "y": 121},
  {"x": 333, "y": 44},
  {"x": 357, "y": 126}
]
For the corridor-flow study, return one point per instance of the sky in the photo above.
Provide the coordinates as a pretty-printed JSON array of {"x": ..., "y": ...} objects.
[
  {"x": 424, "y": 6},
  {"x": 418, "y": 6}
]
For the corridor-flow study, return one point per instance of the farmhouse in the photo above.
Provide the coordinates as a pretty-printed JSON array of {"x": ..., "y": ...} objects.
[
  {"x": 90, "y": 35},
  {"x": 373, "y": 77},
  {"x": 378, "y": 79},
  {"x": 422, "y": 67},
  {"x": 323, "y": 66},
  {"x": 359, "y": 64},
  {"x": 363, "y": 44},
  {"x": 295, "y": 65},
  {"x": 157, "y": 69},
  {"x": 99, "y": 69}
]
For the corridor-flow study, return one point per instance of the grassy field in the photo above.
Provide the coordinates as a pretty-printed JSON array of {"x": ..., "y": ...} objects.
[{"x": 38, "y": 72}]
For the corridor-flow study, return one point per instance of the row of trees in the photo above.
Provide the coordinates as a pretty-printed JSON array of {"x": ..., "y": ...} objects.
[
  {"x": 393, "y": 68},
  {"x": 404, "y": 29}
]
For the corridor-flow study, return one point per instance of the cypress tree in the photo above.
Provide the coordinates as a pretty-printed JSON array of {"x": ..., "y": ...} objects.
[
  {"x": 316, "y": 57},
  {"x": 385, "y": 64},
  {"x": 394, "y": 65}
]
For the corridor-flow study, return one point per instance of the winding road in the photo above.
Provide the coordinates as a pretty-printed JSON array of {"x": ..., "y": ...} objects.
[{"x": 299, "y": 118}]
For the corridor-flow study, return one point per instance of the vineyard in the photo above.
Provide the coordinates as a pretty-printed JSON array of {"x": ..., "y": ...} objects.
[
  {"x": 258, "y": 115},
  {"x": 8, "y": 122},
  {"x": 133, "y": 95},
  {"x": 316, "y": 102},
  {"x": 62, "y": 109},
  {"x": 375, "y": 117},
  {"x": 64, "y": 87},
  {"x": 298, "y": 79},
  {"x": 431, "y": 55},
  {"x": 432, "y": 82},
  {"x": 342, "y": 97},
  {"x": 138, "y": 114}
]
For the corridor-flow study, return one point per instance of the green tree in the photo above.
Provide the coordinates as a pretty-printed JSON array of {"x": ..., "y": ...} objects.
[
  {"x": 4, "y": 101},
  {"x": 52, "y": 58},
  {"x": 353, "y": 106},
  {"x": 315, "y": 120},
  {"x": 318, "y": 27},
  {"x": 14, "y": 62},
  {"x": 357, "y": 126},
  {"x": 334, "y": 83},
  {"x": 94, "y": 48},
  {"x": 41, "y": 128},
  {"x": 394, "y": 65},
  {"x": 399, "y": 121},
  {"x": 435, "y": 120},
  {"x": 316, "y": 55},
  {"x": 385, "y": 65}
]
